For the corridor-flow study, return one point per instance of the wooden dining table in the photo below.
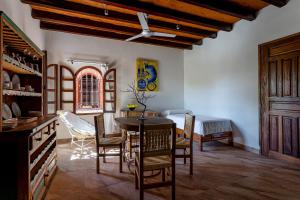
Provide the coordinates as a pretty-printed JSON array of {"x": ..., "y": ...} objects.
[
  {"x": 131, "y": 126},
  {"x": 132, "y": 123}
]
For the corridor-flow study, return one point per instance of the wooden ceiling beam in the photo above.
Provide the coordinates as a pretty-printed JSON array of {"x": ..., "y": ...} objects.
[
  {"x": 116, "y": 16},
  {"x": 151, "y": 9},
  {"x": 172, "y": 14},
  {"x": 278, "y": 3},
  {"x": 90, "y": 24},
  {"x": 225, "y": 7},
  {"x": 110, "y": 35}
]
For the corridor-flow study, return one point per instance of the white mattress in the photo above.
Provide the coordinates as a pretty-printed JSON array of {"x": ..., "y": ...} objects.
[{"x": 204, "y": 125}]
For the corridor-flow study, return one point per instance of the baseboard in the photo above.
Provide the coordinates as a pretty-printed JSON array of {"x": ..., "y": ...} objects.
[
  {"x": 279, "y": 156},
  {"x": 246, "y": 148},
  {"x": 63, "y": 141}
]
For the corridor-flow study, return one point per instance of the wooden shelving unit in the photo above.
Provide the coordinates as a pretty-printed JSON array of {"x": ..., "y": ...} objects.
[
  {"x": 21, "y": 93},
  {"x": 27, "y": 150},
  {"x": 20, "y": 69}
]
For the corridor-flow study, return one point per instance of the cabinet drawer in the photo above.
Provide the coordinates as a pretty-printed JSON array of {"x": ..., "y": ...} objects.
[
  {"x": 50, "y": 170},
  {"x": 36, "y": 140},
  {"x": 39, "y": 191}
]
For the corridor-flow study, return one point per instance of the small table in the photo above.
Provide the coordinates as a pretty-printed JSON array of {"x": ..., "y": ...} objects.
[{"x": 133, "y": 123}]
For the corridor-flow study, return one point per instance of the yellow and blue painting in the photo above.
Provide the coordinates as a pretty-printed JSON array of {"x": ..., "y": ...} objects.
[{"x": 146, "y": 75}]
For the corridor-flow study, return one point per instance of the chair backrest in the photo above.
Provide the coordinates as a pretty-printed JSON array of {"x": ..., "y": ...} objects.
[
  {"x": 99, "y": 126},
  {"x": 189, "y": 124},
  {"x": 157, "y": 140}
]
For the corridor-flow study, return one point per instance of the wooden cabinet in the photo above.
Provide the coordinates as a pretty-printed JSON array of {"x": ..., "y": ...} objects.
[
  {"x": 27, "y": 143},
  {"x": 28, "y": 155}
]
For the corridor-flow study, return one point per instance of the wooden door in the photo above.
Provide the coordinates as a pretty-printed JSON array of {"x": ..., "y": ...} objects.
[
  {"x": 280, "y": 97},
  {"x": 51, "y": 90}
]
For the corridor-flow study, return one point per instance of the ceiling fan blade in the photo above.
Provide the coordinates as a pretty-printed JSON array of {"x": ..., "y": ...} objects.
[
  {"x": 158, "y": 34},
  {"x": 143, "y": 20},
  {"x": 134, "y": 37}
]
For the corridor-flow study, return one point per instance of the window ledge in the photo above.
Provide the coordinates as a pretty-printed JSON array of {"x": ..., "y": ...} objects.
[{"x": 88, "y": 111}]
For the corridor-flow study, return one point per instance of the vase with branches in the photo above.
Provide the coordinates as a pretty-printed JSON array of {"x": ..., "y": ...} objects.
[{"x": 140, "y": 96}]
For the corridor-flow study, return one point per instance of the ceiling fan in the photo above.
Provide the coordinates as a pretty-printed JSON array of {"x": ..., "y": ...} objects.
[{"x": 143, "y": 18}]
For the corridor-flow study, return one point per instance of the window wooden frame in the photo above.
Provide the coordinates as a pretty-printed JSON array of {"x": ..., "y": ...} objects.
[
  {"x": 64, "y": 78},
  {"x": 107, "y": 79},
  {"x": 52, "y": 90},
  {"x": 77, "y": 89}
]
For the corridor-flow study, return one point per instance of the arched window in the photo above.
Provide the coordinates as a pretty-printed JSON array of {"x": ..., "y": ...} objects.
[{"x": 89, "y": 90}]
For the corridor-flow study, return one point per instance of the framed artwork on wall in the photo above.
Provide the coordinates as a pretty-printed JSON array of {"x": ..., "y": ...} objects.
[{"x": 146, "y": 75}]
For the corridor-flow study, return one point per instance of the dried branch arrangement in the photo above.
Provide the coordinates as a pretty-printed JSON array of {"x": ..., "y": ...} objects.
[{"x": 140, "y": 96}]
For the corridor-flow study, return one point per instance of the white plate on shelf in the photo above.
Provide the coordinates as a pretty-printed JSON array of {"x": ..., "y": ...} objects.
[
  {"x": 16, "y": 82},
  {"x": 6, "y": 80},
  {"x": 16, "y": 109},
  {"x": 6, "y": 112}
]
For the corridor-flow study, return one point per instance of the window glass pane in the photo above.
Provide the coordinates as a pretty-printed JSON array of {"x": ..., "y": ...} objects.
[
  {"x": 50, "y": 71},
  {"x": 109, "y": 86},
  {"x": 50, "y": 84},
  {"x": 109, "y": 96},
  {"x": 50, "y": 96},
  {"x": 67, "y": 96},
  {"x": 89, "y": 92},
  {"x": 66, "y": 73},
  {"x": 51, "y": 108},
  {"x": 109, "y": 106},
  {"x": 68, "y": 106},
  {"x": 67, "y": 84}
]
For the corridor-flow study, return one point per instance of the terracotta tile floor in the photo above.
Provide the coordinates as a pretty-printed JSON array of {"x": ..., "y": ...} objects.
[{"x": 221, "y": 172}]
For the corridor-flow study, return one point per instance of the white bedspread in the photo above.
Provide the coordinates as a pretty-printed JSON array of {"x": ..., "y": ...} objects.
[{"x": 204, "y": 125}]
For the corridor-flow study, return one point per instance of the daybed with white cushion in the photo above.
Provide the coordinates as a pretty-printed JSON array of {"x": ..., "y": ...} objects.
[
  {"x": 82, "y": 132},
  {"x": 206, "y": 128}
]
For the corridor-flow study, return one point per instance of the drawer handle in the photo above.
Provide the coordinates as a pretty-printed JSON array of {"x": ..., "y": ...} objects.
[{"x": 38, "y": 139}]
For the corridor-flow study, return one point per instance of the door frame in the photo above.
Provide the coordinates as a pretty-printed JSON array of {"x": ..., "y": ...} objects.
[{"x": 263, "y": 54}]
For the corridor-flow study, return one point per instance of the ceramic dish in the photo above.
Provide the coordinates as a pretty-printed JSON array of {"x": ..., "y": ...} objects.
[
  {"x": 16, "y": 82},
  {"x": 16, "y": 109},
  {"x": 6, "y": 112},
  {"x": 6, "y": 80}
]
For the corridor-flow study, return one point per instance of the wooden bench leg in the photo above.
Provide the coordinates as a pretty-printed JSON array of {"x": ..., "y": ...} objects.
[
  {"x": 230, "y": 139},
  {"x": 201, "y": 143},
  {"x": 121, "y": 157},
  {"x": 184, "y": 150},
  {"x": 130, "y": 146},
  {"x": 104, "y": 159},
  {"x": 98, "y": 164}
]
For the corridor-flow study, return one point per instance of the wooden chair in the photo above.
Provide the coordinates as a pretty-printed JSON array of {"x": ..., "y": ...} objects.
[
  {"x": 107, "y": 141},
  {"x": 157, "y": 152},
  {"x": 186, "y": 141},
  {"x": 134, "y": 136}
]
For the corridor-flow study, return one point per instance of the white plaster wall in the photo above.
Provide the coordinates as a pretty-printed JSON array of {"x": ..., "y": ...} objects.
[
  {"x": 61, "y": 46},
  {"x": 221, "y": 76},
  {"x": 21, "y": 15}
]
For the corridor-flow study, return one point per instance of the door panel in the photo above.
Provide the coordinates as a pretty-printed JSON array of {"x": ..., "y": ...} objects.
[
  {"x": 287, "y": 77},
  {"x": 273, "y": 78},
  {"x": 279, "y": 100},
  {"x": 274, "y": 131}
]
